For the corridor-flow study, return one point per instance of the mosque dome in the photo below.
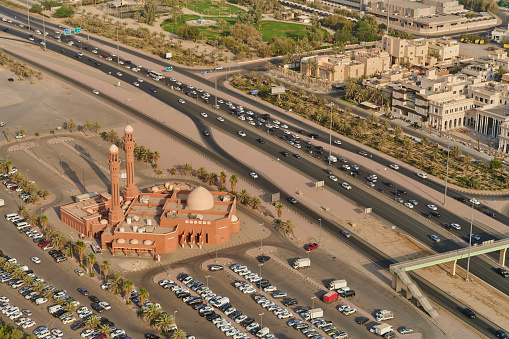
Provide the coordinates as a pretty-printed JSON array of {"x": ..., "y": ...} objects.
[
  {"x": 128, "y": 129},
  {"x": 200, "y": 199},
  {"x": 113, "y": 149}
]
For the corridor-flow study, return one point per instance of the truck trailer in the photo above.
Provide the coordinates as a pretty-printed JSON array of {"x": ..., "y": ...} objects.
[
  {"x": 301, "y": 263},
  {"x": 384, "y": 315},
  {"x": 330, "y": 296}
]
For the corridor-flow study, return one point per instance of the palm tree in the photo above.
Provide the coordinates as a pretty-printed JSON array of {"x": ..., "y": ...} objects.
[
  {"x": 39, "y": 286},
  {"x": 93, "y": 321},
  {"x": 279, "y": 210},
  {"x": 233, "y": 182},
  {"x": 143, "y": 296},
  {"x": 106, "y": 267},
  {"x": 187, "y": 169},
  {"x": 151, "y": 313},
  {"x": 164, "y": 322},
  {"x": 455, "y": 152},
  {"x": 70, "y": 307},
  {"x": 398, "y": 130},
  {"x": 91, "y": 261},
  {"x": 105, "y": 328},
  {"x": 9, "y": 266},
  {"x": 80, "y": 246},
  {"x": 128, "y": 288},
  {"x": 28, "y": 280},
  {"x": 222, "y": 178},
  {"x": 201, "y": 172},
  {"x": 48, "y": 294},
  {"x": 117, "y": 283},
  {"x": 23, "y": 211},
  {"x": 179, "y": 334},
  {"x": 243, "y": 196},
  {"x": 156, "y": 156},
  {"x": 18, "y": 273},
  {"x": 71, "y": 125},
  {"x": 43, "y": 221},
  {"x": 287, "y": 226},
  {"x": 255, "y": 202},
  {"x": 69, "y": 249}
]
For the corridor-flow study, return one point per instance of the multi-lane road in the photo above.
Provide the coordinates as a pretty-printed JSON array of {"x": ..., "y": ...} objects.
[{"x": 360, "y": 194}]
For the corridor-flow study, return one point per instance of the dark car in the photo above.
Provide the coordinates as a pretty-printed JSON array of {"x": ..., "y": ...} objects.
[
  {"x": 388, "y": 183},
  {"x": 313, "y": 135},
  {"x": 151, "y": 336},
  {"x": 206, "y": 133},
  {"x": 182, "y": 276},
  {"x": 260, "y": 140},
  {"x": 503, "y": 272},
  {"x": 290, "y": 302},
  {"x": 402, "y": 191},
  {"x": 361, "y": 320},
  {"x": 97, "y": 308},
  {"x": 435, "y": 214},
  {"x": 491, "y": 214},
  {"x": 460, "y": 199},
  {"x": 263, "y": 258},
  {"x": 93, "y": 299},
  {"x": 83, "y": 291},
  {"x": 247, "y": 321},
  {"x": 10, "y": 79},
  {"x": 198, "y": 306},
  {"x": 396, "y": 193},
  {"x": 501, "y": 334},
  {"x": 310, "y": 247},
  {"x": 56, "y": 253},
  {"x": 153, "y": 90},
  {"x": 235, "y": 314},
  {"x": 284, "y": 153},
  {"x": 206, "y": 313},
  {"x": 213, "y": 316},
  {"x": 429, "y": 215},
  {"x": 469, "y": 313},
  {"x": 77, "y": 325}
]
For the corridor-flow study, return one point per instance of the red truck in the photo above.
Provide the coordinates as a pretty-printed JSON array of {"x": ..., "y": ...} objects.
[{"x": 330, "y": 296}]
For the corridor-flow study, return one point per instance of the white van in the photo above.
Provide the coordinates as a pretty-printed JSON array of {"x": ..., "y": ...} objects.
[
  {"x": 22, "y": 224},
  {"x": 55, "y": 308}
]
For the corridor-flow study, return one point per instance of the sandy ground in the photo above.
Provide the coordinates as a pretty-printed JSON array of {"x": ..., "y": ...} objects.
[{"x": 342, "y": 211}]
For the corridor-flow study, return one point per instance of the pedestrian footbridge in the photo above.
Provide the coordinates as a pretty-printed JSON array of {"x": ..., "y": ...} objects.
[{"x": 401, "y": 276}]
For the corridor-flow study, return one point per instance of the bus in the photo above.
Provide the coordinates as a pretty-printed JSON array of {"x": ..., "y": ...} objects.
[{"x": 155, "y": 75}]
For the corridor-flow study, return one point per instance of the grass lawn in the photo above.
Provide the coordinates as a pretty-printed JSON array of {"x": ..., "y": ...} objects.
[
  {"x": 270, "y": 29},
  {"x": 209, "y": 32},
  {"x": 210, "y": 7}
]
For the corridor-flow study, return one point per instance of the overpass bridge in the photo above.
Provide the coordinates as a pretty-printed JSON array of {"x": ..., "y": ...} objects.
[{"x": 401, "y": 277}]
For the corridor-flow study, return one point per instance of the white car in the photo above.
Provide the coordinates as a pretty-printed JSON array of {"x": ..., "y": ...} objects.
[
  {"x": 86, "y": 332},
  {"x": 370, "y": 184},
  {"x": 119, "y": 74},
  {"x": 270, "y": 288},
  {"x": 57, "y": 332},
  {"x": 241, "y": 133},
  {"x": 36, "y": 260},
  {"x": 137, "y": 84},
  {"x": 434, "y": 238},
  {"x": 346, "y": 185},
  {"x": 455, "y": 226},
  {"x": 253, "y": 175},
  {"x": 221, "y": 119},
  {"x": 105, "y": 286},
  {"x": 182, "y": 101},
  {"x": 422, "y": 175},
  {"x": 28, "y": 324},
  {"x": 4, "y": 299},
  {"x": 94, "y": 51},
  {"x": 205, "y": 115},
  {"x": 105, "y": 305},
  {"x": 79, "y": 272},
  {"x": 337, "y": 142},
  {"x": 475, "y": 201},
  {"x": 432, "y": 207},
  {"x": 333, "y": 178},
  {"x": 409, "y": 205},
  {"x": 394, "y": 166},
  {"x": 68, "y": 320},
  {"x": 95, "y": 91}
]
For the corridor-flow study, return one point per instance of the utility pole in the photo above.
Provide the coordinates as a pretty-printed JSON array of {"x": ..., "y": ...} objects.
[
  {"x": 470, "y": 241},
  {"x": 330, "y": 132},
  {"x": 447, "y": 172},
  {"x": 28, "y": 12},
  {"x": 43, "y": 29}
]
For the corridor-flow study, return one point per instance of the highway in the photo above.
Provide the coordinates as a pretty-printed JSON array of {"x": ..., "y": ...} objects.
[{"x": 360, "y": 196}]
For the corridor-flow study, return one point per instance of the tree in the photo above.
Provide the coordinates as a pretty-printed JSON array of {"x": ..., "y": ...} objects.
[
  {"x": 117, "y": 283},
  {"x": 104, "y": 328},
  {"x": 455, "y": 152},
  {"x": 43, "y": 194},
  {"x": 187, "y": 169},
  {"x": 243, "y": 196},
  {"x": 398, "y": 131},
  {"x": 149, "y": 11},
  {"x": 222, "y": 179},
  {"x": 93, "y": 321},
  {"x": 255, "y": 202},
  {"x": 156, "y": 156},
  {"x": 137, "y": 16},
  {"x": 128, "y": 288},
  {"x": 80, "y": 247},
  {"x": 287, "y": 226},
  {"x": 151, "y": 313},
  {"x": 70, "y": 307},
  {"x": 279, "y": 210},
  {"x": 222, "y": 24},
  {"x": 233, "y": 182},
  {"x": 36, "y": 9},
  {"x": 91, "y": 261},
  {"x": 164, "y": 322},
  {"x": 143, "y": 296},
  {"x": 179, "y": 334},
  {"x": 64, "y": 12},
  {"x": 106, "y": 267},
  {"x": 201, "y": 172},
  {"x": 71, "y": 125}
]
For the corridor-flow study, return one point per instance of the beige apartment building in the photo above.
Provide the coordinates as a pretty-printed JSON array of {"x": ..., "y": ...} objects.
[{"x": 337, "y": 69}]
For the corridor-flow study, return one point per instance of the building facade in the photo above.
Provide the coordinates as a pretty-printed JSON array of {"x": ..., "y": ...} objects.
[{"x": 158, "y": 220}]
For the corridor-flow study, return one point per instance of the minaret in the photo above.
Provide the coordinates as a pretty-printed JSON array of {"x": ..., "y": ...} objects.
[
  {"x": 130, "y": 191},
  {"x": 115, "y": 214}
]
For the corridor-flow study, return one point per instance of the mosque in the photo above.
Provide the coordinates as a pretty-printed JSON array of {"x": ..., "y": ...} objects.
[{"x": 155, "y": 221}]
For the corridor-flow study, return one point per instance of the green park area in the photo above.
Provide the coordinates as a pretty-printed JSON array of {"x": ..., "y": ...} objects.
[
  {"x": 214, "y": 8},
  {"x": 268, "y": 29}
]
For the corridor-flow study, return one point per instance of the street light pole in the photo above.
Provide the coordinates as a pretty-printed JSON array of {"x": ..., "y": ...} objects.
[
  {"x": 330, "y": 132},
  {"x": 447, "y": 173},
  {"x": 260, "y": 269},
  {"x": 207, "y": 277},
  {"x": 470, "y": 241},
  {"x": 216, "y": 247},
  {"x": 28, "y": 12},
  {"x": 43, "y": 28},
  {"x": 261, "y": 319},
  {"x": 313, "y": 302},
  {"x": 174, "y": 313},
  {"x": 261, "y": 239},
  {"x": 320, "y": 236}
]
